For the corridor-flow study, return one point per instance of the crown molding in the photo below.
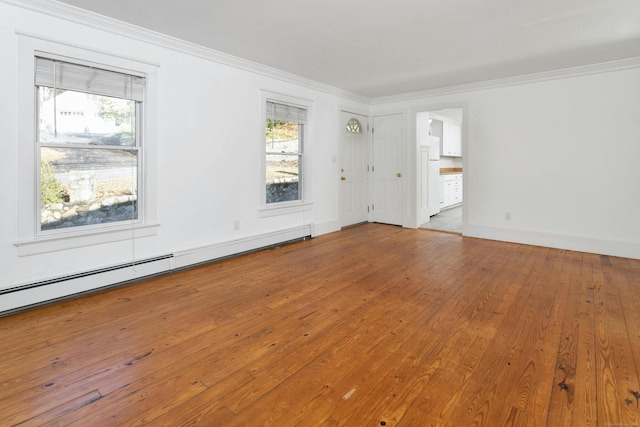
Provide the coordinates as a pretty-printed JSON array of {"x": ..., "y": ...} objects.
[
  {"x": 84, "y": 17},
  {"x": 87, "y": 18},
  {"x": 624, "y": 64}
]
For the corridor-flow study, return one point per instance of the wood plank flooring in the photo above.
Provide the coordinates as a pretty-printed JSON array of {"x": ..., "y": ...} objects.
[{"x": 371, "y": 326}]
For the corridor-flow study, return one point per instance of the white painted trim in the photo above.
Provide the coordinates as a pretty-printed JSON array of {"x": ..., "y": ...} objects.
[
  {"x": 84, "y": 17},
  {"x": 207, "y": 253},
  {"x": 353, "y": 110},
  {"x": 619, "y": 248},
  {"x": 182, "y": 259},
  {"x": 285, "y": 208},
  {"x": 81, "y": 16},
  {"x": 624, "y": 64},
  {"x": 53, "y": 291},
  {"x": 304, "y": 204},
  {"x": 30, "y": 241},
  {"x": 96, "y": 237},
  {"x": 326, "y": 227},
  {"x": 464, "y": 133}
]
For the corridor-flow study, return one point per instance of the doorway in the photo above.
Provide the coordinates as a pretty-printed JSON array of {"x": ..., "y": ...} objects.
[{"x": 442, "y": 128}]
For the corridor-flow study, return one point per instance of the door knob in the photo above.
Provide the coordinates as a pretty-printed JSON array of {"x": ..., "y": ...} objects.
[
  {"x": 399, "y": 175},
  {"x": 342, "y": 178}
]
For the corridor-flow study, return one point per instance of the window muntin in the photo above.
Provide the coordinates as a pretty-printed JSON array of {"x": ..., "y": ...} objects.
[
  {"x": 284, "y": 154},
  {"x": 88, "y": 145},
  {"x": 353, "y": 126}
]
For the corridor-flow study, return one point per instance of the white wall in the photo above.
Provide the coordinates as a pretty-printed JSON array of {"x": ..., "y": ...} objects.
[
  {"x": 207, "y": 152},
  {"x": 561, "y": 155}
]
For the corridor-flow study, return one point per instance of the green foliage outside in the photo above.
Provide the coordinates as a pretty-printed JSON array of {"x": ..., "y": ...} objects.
[
  {"x": 120, "y": 111},
  {"x": 278, "y": 130},
  {"x": 50, "y": 189},
  {"x": 271, "y": 124}
]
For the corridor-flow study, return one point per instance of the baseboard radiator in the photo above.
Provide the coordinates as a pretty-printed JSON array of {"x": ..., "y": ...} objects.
[
  {"x": 23, "y": 297},
  {"x": 81, "y": 275}
]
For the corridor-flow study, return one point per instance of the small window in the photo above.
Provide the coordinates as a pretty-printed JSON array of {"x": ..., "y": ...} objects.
[
  {"x": 284, "y": 154},
  {"x": 88, "y": 122},
  {"x": 354, "y": 126}
]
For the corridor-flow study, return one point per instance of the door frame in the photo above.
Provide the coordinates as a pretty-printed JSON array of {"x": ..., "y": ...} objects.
[{"x": 415, "y": 150}]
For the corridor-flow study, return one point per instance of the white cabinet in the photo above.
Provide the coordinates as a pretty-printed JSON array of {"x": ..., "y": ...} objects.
[
  {"x": 451, "y": 190},
  {"x": 451, "y": 141}
]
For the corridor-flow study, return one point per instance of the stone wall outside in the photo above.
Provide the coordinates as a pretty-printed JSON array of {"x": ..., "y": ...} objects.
[{"x": 73, "y": 214}]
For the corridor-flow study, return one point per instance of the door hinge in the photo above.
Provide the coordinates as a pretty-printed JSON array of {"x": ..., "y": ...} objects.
[
  {"x": 373, "y": 168},
  {"x": 367, "y": 127},
  {"x": 373, "y": 207},
  {"x": 368, "y": 168},
  {"x": 371, "y": 130},
  {"x": 368, "y": 209}
]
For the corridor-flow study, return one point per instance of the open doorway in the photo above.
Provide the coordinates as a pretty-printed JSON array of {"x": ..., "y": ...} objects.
[{"x": 439, "y": 139}]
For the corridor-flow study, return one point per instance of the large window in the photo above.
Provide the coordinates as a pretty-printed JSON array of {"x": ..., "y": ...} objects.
[
  {"x": 89, "y": 149},
  {"x": 284, "y": 152}
]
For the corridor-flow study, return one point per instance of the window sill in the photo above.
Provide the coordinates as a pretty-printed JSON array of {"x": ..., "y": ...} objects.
[
  {"x": 285, "y": 208},
  {"x": 70, "y": 241}
]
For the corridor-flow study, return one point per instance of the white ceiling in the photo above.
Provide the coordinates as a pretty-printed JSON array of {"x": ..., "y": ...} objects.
[{"x": 387, "y": 47}]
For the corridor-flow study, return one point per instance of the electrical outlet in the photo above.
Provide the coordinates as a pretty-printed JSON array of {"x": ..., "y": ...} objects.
[{"x": 236, "y": 225}]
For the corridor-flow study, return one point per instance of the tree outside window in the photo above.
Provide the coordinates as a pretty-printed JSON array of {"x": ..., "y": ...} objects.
[
  {"x": 284, "y": 135},
  {"x": 89, "y": 148}
]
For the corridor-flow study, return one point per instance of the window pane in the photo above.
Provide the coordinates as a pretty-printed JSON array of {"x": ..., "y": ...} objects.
[
  {"x": 83, "y": 118},
  {"x": 283, "y": 137},
  {"x": 283, "y": 172},
  {"x": 80, "y": 186},
  {"x": 354, "y": 126}
]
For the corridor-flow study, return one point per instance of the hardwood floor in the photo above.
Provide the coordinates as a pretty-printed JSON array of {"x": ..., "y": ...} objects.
[{"x": 371, "y": 326}]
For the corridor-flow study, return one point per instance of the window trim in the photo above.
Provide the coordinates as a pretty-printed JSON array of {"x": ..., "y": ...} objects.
[
  {"x": 290, "y": 206},
  {"x": 30, "y": 240},
  {"x": 138, "y": 149}
]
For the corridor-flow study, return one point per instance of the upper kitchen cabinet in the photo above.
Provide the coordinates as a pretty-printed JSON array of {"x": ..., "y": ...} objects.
[
  {"x": 449, "y": 132},
  {"x": 451, "y": 141}
]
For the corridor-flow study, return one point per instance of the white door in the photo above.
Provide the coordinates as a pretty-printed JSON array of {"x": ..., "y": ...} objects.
[
  {"x": 387, "y": 169},
  {"x": 354, "y": 182}
]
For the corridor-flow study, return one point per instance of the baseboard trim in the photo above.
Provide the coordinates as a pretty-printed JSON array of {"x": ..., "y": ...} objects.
[
  {"x": 326, "y": 228},
  {"x": 26, "y": 296},
  {"x": 207, "y": 253},
  {"x": 82, "y": 274},
  {"x": 619, "y": 248},
  {"x": 22, "y": 297}
]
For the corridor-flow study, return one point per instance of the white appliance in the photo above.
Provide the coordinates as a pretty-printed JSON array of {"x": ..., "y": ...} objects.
[
  {"x": 430, "y": 186},
  {"x": 433, "y": 176}
]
